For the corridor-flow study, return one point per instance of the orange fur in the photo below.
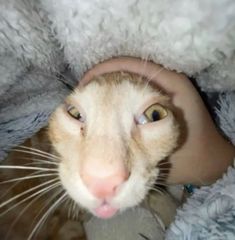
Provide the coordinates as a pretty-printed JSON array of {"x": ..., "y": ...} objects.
[{"x": 111, "y": 103}]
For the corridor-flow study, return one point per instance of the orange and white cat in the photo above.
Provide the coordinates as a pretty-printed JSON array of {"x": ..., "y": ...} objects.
[{"x": 110, "y": 134}]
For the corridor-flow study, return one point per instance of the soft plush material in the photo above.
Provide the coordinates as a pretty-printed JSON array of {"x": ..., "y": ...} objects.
[
  {"x": 41, "y": 40},
  {"x": 47, "y": 45},
  {"x": 208, "y": 214}
]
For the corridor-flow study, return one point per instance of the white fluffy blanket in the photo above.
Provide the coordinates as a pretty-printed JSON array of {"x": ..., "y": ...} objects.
[{"x": 47, "y": 45}]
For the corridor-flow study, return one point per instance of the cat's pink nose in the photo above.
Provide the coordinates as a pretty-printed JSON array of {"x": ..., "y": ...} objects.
[{"x": 104, "y": 187}]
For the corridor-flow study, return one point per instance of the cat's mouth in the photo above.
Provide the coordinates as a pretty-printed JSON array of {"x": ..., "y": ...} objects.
[{"x": 105, "y": 210}]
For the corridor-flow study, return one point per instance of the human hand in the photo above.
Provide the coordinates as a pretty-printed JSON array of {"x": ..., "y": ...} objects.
[{"x": 203, "y": 155}]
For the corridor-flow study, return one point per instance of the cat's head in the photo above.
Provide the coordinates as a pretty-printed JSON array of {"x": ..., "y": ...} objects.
[{"x": 110, "y": 135}]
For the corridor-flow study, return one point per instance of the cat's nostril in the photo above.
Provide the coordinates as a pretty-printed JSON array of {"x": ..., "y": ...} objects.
[{"x": 104, "y": 187}]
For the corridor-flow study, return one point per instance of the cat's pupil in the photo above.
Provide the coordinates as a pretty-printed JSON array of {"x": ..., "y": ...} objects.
[
  {"x": 78, "y": 116},
  {"x": 155, "y": 115}
]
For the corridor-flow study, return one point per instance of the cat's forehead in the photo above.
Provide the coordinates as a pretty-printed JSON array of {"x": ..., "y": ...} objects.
[{"x": 116, "y": 88}]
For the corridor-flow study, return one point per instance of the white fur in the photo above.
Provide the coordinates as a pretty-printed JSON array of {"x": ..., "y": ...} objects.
[{"x": 109, "y": 126}]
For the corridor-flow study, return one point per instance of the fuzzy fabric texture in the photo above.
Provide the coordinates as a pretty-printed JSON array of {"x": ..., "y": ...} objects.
[
  {"x": 41, "y": 39},
  {"x": 208, "y": 214},
  {"x": 47, "y": 45}
]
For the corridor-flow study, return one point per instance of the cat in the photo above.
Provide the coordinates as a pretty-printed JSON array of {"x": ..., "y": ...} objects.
[
  {"x": 110, "y": 135},
  {"x": 107, "y": 138}
]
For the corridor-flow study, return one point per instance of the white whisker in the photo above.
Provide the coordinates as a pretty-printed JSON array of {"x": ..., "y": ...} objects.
[
  {"x": 162, "y": 184},
  {"x": 162, "y": 175},
  {"x": 45, "y": 205},
  {"x": 45, "y": 162},
  {"x": 28, "y": 177},
  {"x": 151, "y": 78},
  {"x": 39, "y": 151},
  {"x": 29, "y": 197},
  {"x": 69, "y": 205},
  {"x": 156, "y": 190},
  {"x": 17, "y": 183},
  {"x": 166, "y": 169},
  {"x": 25, "y": 192},
  {"x": 36, "y": 154},
  {"x": 38, "y": 160},
  {"x": 161, "y": 187},
  {"x": 156, "y": 74},
  {"x": 26, "y": 168},
  {"x": 74, "y": 210},
  {"x": 27, "y": 207},
  {"x": 37, "y": 163},
  {"x": 48, "y": 212},
  {"x": 163, "y": 163}
]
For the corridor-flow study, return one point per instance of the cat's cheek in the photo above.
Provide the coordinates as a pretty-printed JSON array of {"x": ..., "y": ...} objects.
[
  {"x": 160, "y": 140},
  {"x": 132, "y": 193},
  {"x": 61, "y": 125},
  {"x": 135, "y": 188},
  {"x": 64, "y": 135},
  {"x": 76, "y": 190}
]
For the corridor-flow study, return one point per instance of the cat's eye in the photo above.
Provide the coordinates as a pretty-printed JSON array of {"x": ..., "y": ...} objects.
[
  {"x": 73, "y": 112},
  {"x": 153, "y": 113}
]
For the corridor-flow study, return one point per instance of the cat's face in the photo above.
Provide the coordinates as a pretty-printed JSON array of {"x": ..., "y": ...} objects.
[{"x": 110, "y": 135}]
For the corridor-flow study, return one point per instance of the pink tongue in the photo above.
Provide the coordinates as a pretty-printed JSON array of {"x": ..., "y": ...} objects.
[{"x": 105, "y": 211}]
